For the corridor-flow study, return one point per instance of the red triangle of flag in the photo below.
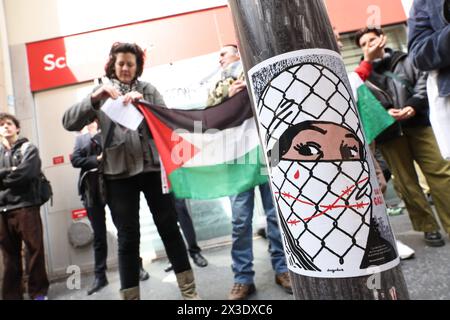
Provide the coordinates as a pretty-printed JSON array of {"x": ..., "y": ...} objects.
[{"x": 173, "y": 149}]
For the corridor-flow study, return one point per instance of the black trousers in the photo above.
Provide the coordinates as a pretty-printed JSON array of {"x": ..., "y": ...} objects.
[
  {"x": 16, "y": 226},
  {"x": 187, "y": 226},
  {"x": 97, "y": 217},
  {"x": 123, "y": 201}
]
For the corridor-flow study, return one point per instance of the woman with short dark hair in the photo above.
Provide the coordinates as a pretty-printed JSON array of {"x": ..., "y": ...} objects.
[{"x": 131, "y": 165}]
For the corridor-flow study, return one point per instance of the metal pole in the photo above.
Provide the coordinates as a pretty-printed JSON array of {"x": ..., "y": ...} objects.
[{"x": 267, "y": 29}]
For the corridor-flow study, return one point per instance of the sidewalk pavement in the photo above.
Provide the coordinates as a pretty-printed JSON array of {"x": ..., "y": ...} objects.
[
  {"x": 427, "y": 275},
  {"x": 213, "y": 282}
]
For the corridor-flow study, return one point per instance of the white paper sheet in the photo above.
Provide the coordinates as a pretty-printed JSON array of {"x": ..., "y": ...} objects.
[{"x": 126, "y": 115}]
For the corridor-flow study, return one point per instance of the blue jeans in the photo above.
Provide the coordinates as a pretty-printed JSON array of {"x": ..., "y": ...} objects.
[{"x": 242, "y": 247}]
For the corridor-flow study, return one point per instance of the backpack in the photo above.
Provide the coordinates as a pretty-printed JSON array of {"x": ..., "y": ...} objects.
[{"x": 44, "y": 187}]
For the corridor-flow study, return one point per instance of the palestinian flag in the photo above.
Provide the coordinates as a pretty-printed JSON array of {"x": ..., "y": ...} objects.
[
  {"x": 208, "y": 153},
  {"x": 374, "y": 117}
]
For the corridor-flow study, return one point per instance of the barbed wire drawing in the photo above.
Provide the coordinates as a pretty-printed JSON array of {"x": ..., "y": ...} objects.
[{"x": 320, "y": 172}]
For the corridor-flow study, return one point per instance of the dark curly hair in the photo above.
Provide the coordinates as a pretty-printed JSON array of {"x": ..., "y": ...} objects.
[
  {"x": 124, "y": 47},
  {"x": 7, "y": 116},
  {"x": 362, "y": 32}
]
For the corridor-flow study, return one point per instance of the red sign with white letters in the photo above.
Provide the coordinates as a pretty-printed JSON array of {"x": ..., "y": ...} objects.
[
  {"x": 47, "y": 65},
  {"x": 78, "y": 214},
  {"x": 82, "y": 57},
  {"x": 58, "y": 160}
]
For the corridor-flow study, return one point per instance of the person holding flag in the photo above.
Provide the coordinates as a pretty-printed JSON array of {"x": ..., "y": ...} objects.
[
  {"x": 232, "y": 82},
  {"x": 221, "y": 141},
  {"x": 131, "y": 166}
]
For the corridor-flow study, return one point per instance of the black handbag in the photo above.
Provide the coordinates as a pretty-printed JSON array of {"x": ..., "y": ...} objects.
[
  {"x": 45, "y": 189},
  {"x": 101, "y": 177}
]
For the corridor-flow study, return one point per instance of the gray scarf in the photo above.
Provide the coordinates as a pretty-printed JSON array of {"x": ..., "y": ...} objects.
[{"x": 124, "y": 88}]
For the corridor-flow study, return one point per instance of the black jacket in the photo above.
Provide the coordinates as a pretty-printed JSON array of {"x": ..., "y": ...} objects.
[
  {"x": 407, "y": 88},
  {"x": 429, "y": 39},
  {"x": 84, "y": 156},
  {"x": 19, "y": 188}
]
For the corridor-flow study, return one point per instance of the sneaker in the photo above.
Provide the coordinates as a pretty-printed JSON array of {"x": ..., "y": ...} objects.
[
  {"x": 404, "y": 251},
  {"x": 283, "y": 279},
  {"x": 394, "y": 211},
  {"x": 41, "y": 297},
  {"x": 434, "y": 239},
  {"x": 241, "y": 291}
]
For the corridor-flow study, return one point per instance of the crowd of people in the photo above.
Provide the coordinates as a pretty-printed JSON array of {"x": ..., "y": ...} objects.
[{"x": 117, "y": 164}]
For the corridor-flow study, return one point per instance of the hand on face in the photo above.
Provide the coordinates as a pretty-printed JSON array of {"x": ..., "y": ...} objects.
[
  {"x": 8, "y": 132},
  {"x": 373, "y": 46}
]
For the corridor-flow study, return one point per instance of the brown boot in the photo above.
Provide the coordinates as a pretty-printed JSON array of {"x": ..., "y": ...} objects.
[
  {"x": 186, "y": 283},
  {"x": 283, "y": 280},
  {"x": 130, "y": 294},
  {"x": 241, "y": 291}
]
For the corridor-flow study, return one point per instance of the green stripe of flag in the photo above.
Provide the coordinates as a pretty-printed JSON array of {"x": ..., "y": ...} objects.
[
  {"x": 374, "y": 117},
  {"x": 209, "y": 182}
]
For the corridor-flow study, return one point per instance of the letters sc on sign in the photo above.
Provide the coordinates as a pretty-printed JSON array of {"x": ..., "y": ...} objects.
[{"x": 51, "y": 62}]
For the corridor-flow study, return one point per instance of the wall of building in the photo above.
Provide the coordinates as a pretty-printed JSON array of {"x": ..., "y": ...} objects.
[
  {"x": 36, "y": 20},
  {"x": 363, "y": 13},
  {"x": 5, "y": 74},
  {"x": 3, "y": 100}
]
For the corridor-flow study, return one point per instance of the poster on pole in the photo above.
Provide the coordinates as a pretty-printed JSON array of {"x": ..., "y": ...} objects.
[{"x": 331, "y": 211}]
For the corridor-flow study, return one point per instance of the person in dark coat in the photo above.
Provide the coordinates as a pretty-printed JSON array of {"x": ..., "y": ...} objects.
[
  {"x": 87, "y": 156},
  {"x": 429, "y": 47},
  {"x": 401, "y": 89},
  {"x": 20, "y": 219}
]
